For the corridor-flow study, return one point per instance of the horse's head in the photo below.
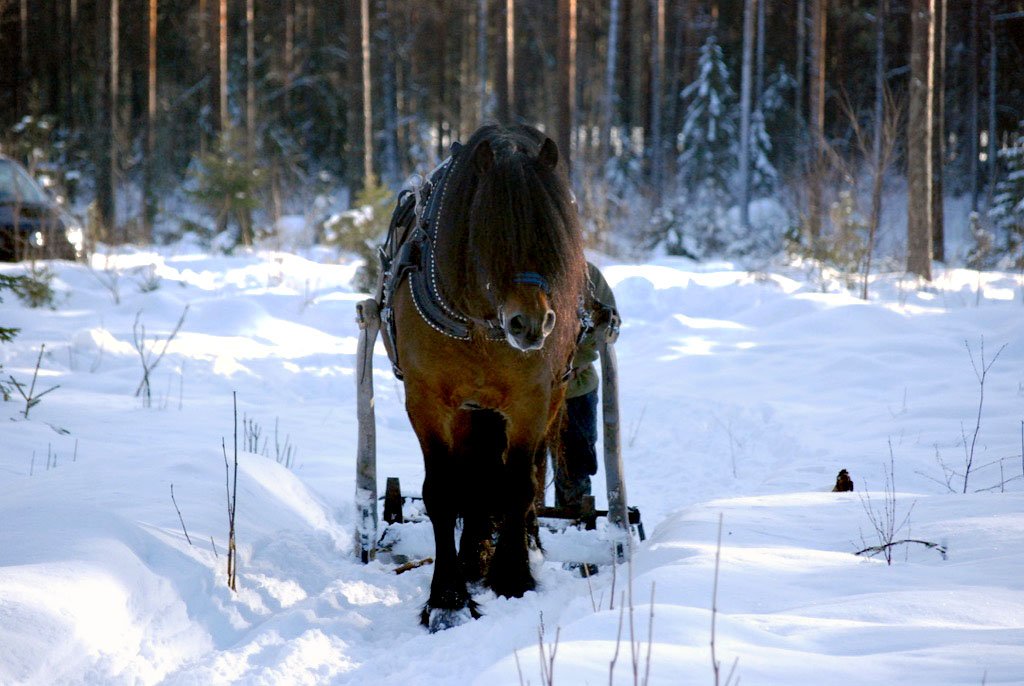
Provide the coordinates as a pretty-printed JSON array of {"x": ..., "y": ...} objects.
[
  {"x": 524, "y": 239},
  {"x": 525, "y": 314}
]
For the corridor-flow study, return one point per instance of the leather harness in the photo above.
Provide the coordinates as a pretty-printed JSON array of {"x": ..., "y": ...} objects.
[{"x": 409, "y": 252}]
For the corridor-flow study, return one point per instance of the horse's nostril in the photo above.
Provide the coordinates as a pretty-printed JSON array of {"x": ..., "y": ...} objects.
[
  {"x": 549, "y": 322},
  {"x": 517, "y": 325}
]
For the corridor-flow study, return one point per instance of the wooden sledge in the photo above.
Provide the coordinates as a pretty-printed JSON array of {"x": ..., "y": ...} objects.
[{"x": 620, "y": 516}]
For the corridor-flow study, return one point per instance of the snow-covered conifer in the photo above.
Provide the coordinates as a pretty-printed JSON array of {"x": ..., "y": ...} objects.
[
  {"x": 1007, "y": 211},
  {"x": 709, "y": 127}
]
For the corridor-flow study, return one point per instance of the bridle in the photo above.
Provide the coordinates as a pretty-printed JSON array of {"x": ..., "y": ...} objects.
[{"x": 414, "y": 256}]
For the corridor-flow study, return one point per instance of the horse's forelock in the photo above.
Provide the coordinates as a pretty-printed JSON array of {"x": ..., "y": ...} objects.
[{"x": 521, "y": 215}]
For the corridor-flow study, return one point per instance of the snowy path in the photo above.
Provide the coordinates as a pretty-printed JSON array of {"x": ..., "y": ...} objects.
[{"x": 742, "y": 395}]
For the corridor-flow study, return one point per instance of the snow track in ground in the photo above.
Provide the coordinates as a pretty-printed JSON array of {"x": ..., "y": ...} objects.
[{"x": 742, "y": 395}]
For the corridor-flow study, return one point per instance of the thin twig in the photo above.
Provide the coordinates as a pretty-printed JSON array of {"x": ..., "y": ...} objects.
[
  {"x": 650, "y": 639},
  {"x": 519, "y": 669},
  {"x": 232, "y": 550},
  {"x": 180, "y": 518},
  {"x": 611, "y": 600},
  {"x": 715, "y": 665},
  {"x": 980, "y": 375},
  {"x": 618, "y": 641},
  {"x": 590, "y": 586},
  {"x": 873, "y": 550}
]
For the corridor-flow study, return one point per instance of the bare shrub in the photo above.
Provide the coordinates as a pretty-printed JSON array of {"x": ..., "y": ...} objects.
[{"x": 146, "y": 350}]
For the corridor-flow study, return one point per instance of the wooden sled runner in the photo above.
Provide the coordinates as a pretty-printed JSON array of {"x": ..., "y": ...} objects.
[{"x": 620, "y": 517}]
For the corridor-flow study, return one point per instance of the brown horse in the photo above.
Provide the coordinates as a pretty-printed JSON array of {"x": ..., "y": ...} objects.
[{"x": 503, "y": 265}]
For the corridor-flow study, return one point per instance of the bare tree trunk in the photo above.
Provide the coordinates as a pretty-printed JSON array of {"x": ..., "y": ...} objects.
[
  {"x": 817, "y": 117},
  {"x": 676, "y": 69},
  {"x": 148, "y": 193},
  {"x": 637, "y": 76},
  {"x": 566, "y": 104},
  {"x": 481, "y": 59},
  {"x": 364, "y": 13},
  {"x": 23, "y": 70},
  {"x": 608, "y": 97},
  {"x": 204, "y": 91},
  {"x": 501, "y": 74},
  {"x": 103, "y": 133},
  {"x": 657, "y": 88},
  {"x": 289, "y": 53},
  {"x": 468, "y": 102},
  {"x": 115, "y": 102},
  {"x": 225, "y": 117},
  {"x": 920, "y": 139},
  {"x": 993, "y": 68},
  {"x": 250, "y": 81},
  {"x": 975, "y": 75},
  {"x": 441, "y": 78},
  {"x": 389, "y": 151},
  {"x": 877, "y": 166},
  {"x": 759, "y": 82},
  {"x": 72, "y": 61},
  {"x": 801, "y": 56},
  {"x": 745, "y": 97},
  {"x": 510, "y": 57},
  {"x": 938, "y": 131}
]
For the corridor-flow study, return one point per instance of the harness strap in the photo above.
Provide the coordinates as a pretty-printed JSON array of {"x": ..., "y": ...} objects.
[{"x": 532, "y": 279}]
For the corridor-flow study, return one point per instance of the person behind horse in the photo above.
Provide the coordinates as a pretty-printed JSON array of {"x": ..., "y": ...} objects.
[{"x": 576, "y": 460}]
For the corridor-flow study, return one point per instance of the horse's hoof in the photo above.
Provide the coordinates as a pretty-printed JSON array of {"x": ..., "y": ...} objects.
[
  {"x": 438, "y": 619},
  {"x": 513, "y": 586}
]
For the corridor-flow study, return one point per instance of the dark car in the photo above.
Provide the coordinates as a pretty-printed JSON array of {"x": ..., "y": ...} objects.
[{"x": 32, "y": 224}]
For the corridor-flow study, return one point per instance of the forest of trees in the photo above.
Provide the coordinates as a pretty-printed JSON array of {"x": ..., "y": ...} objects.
[{"x": 672, "y": 112}]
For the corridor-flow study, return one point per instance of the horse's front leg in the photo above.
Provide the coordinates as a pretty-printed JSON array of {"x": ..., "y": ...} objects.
[
  {"x": 449, "y": 603},
  {"x": 510, "y": 574}
]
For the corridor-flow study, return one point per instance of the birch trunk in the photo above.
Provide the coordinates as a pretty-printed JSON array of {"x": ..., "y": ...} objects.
[{"x": 919, "y": 139}]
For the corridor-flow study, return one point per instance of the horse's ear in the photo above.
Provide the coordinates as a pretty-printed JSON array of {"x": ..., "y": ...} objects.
[
  {"x": 483, "y": 158},
  {"x": 548, "y": 155}
]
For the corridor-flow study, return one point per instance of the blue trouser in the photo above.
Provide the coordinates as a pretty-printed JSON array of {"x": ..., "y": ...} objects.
[{"x": 579, "y": 452}]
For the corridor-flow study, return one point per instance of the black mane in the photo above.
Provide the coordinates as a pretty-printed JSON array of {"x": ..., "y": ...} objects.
[{"x": 517, "y": 215}]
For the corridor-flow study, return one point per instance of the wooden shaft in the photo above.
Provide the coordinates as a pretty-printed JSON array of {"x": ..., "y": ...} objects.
[
  {"x": 617, "y": 512},
  {"x": 368, "y": 317}
]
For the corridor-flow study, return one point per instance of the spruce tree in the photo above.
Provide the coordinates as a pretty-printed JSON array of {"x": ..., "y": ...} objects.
[
  {"x": 1007, "y": 211},
  {"x": 709, "y": 127},
  {"x": 763, "y": 176},
  {"x": 7, "y": 333},
  {"x": 696, "y": 225}
]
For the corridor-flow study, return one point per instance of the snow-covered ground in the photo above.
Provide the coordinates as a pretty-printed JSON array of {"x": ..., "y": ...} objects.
[{"x": 743, "y": 394}]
